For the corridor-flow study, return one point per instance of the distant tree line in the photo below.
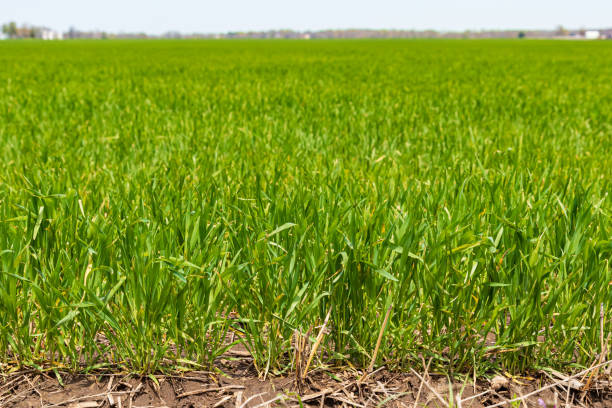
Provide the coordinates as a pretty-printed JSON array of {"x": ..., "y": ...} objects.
[{"x": 12, "y": 30}]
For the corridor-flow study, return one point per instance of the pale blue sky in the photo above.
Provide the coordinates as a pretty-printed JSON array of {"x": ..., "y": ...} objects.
[{"x": 209, "y": 16}]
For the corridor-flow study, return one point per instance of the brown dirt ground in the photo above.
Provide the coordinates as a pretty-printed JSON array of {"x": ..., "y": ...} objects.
[
  {"x": 235, "y": 383},
  {"x": 240, "y": 387}
]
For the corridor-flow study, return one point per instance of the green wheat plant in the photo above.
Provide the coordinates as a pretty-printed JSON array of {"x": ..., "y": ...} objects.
[{"x": 163, "y": 201}]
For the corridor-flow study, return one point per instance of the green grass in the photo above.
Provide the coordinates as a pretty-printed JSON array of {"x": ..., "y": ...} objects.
[{"x": 148, "y": 189}]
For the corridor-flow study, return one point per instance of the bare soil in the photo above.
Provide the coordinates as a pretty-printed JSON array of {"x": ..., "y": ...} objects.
[{"x": 237, "y": 385}]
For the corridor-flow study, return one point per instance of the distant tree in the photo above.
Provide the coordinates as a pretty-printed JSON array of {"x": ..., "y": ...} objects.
[
  {"x": 521, "y": 34},
  {"x": 562, "y": 31},
  {"x": 10, "y": 29}
]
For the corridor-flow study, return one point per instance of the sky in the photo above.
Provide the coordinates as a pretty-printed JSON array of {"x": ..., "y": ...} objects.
[{"x": 218, "y": 16}]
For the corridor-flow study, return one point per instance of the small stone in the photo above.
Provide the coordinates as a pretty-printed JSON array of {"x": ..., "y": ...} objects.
[{"x": 499, "y": 382}]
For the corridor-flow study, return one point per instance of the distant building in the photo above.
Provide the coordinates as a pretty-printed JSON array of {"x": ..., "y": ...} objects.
[
  {"x": 47, "y": 34},
  {"x": 88, "y": 35},
  {"x": 591, "y": 35},
  {"x": 172, "y": 35}
]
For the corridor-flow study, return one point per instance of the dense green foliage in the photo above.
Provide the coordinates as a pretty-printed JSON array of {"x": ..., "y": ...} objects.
[{"x": 148, "y": 189}]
